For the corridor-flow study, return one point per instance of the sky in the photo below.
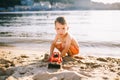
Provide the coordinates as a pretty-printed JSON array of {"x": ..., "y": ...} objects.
[{"x": 106, "y": 1}]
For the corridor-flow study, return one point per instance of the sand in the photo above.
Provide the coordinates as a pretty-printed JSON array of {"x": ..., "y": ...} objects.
[{"x": 19, "y": 64}]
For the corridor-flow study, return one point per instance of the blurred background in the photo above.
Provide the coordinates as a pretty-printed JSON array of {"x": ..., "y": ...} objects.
[{"x": 38, "y": 5}]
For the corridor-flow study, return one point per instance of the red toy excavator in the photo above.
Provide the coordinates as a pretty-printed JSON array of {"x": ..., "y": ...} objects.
[{"x": 55, "y": 61}]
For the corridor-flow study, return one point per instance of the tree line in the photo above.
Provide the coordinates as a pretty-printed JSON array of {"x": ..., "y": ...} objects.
[
  {"x": 94, "y": 5},
  {"x": 9, "y": 3},
  {"x": 12, "y": 3}
]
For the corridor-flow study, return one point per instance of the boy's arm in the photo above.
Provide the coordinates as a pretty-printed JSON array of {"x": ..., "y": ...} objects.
[
  {"x": 74, "y": 41},
  {"x": 53, "y": 45},
  {"x": 51, "y": 48},
  {"x": 67, "y": 46}
]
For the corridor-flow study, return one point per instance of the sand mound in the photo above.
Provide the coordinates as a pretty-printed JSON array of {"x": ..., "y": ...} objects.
[{"x": 62, "y": 75}]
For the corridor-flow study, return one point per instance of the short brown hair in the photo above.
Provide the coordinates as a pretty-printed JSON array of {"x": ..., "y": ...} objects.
[{"x": 61, "y": 20}]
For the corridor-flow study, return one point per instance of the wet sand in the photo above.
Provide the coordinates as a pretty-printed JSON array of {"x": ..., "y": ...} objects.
[{"x": 22, "y": 64}]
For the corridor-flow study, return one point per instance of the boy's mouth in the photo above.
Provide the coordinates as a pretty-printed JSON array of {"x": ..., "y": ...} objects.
[{"x": 61, "y": 34}]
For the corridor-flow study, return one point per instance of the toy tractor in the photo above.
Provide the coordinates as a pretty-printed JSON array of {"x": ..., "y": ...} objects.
[{"x": 55, "y": 61}]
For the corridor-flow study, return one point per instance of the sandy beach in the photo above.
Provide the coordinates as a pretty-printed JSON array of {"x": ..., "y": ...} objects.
[{"x": 21, "y": 64}]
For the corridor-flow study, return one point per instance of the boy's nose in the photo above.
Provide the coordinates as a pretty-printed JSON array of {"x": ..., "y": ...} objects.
[{"x": 61, "y": 31}]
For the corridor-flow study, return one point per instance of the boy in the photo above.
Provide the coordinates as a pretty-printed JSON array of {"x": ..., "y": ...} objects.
[{"x": 63, "y": 41}]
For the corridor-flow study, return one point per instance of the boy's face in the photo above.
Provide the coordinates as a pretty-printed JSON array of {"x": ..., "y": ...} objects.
[{"x": 61, "y": 29}]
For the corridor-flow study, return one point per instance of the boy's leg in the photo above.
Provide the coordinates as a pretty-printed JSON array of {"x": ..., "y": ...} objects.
[{"x": 72, "y": 51}]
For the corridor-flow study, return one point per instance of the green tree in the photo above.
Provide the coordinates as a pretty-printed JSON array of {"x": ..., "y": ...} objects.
[{"x": 9, "y": 3}]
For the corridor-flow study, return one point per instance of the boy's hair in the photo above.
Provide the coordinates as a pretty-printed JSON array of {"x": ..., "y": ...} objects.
[{"x": 61, "y": 20}]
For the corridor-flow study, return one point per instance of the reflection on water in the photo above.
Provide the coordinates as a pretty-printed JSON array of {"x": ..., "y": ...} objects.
[{"x": 93, "y": 29}]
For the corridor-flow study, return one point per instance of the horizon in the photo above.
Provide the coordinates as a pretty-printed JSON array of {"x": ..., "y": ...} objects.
[{"x": 106, "y": 1}]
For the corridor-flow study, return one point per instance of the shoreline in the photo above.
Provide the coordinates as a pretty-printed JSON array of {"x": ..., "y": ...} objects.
[
  {"x": 87, "y": 48},
  {"x": 42, "y": 46},
  {"x": 22, "y": 64}
]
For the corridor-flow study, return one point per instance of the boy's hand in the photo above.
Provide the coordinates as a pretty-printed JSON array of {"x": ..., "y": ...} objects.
[{"x": 63, "y": 55}]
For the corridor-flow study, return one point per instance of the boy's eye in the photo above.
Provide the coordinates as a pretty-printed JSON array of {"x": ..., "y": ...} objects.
[
  {"x": 63, "y": 28},
  {"x": 58, "y": 28}
]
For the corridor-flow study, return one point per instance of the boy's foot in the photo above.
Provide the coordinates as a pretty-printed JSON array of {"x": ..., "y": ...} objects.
[
  {"x": 78, "y": 57},
  {"x": 68, "y": 58}
]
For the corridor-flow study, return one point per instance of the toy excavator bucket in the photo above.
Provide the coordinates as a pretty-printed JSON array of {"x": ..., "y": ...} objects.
[{"x": 54, "y": 66}]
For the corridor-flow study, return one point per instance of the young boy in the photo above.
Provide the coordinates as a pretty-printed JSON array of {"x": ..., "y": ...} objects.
[{"x": 63, "y": 41}]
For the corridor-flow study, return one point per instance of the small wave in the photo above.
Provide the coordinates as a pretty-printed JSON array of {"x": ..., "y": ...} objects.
[
  {"x": 99, "y": 44},
  {"x": 5, "y": 34}
]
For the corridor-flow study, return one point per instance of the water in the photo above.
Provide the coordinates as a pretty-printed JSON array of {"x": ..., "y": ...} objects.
[{"x": 97, "y": 32}]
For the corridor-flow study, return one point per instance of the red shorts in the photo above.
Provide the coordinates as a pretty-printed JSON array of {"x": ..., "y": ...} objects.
[{"x": 72, "y": 50}]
